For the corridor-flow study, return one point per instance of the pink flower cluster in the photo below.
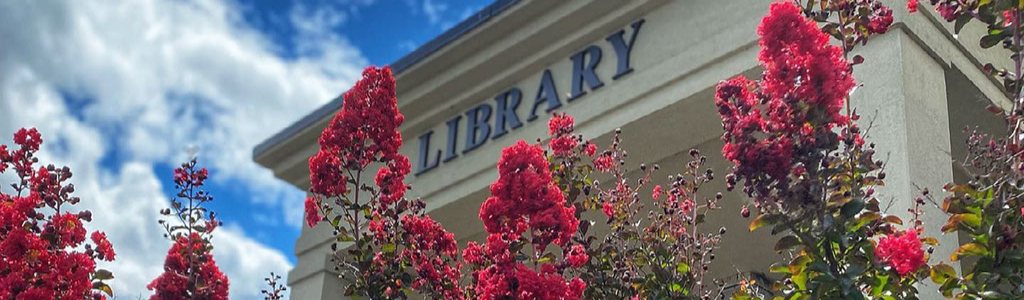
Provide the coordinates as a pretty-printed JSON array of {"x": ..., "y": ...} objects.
[
  {"x": 949, "y": 10},
  {"x": 40, "y": 240},
  {"x": 902, "y": 252},
  {"x": 190, "y": 273},
  {"x": 880, "y": 19},
  {"x": 525, "y": 200},
  {"x": 525, "y": 193},
  {"x": 104, "y": 250},
  {"x": 312, "y": 208},
  {"x": 494, "y": 284},
  {"x": 432, "y": 251},
  {"x": 365, "y": 131},
  {"x": 770, "y": 125},
  {"x": 505, "y": 278},
  {"x": 560, "y": 128},
  {"x": 183, "y": 177}
]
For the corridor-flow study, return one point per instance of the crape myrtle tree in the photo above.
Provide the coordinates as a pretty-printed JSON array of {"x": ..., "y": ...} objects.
[
  {"x": 800, "y": 154},
  {"x": 988, "y": 209},
  {"x": 43, "y": 249},
  {"x": 275, "y": 289},
  {"x": 384, "y": 244},
  {"x": 190, "y": 271},
  {"x": 537, "y": 247},
  {"x": 654, "y": 249}
]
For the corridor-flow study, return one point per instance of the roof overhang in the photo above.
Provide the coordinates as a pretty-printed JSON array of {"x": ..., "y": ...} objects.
[{"x": 271, "y": 149}]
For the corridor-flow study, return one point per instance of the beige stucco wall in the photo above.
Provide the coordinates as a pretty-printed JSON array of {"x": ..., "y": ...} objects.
[{"x": 664, "y": 106}]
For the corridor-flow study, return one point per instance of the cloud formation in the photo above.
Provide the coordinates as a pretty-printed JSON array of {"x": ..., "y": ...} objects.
[{"x": 133, "y": 82}]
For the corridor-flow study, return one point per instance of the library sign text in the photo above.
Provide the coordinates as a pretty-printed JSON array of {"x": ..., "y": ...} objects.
[{"x": 478, "y": 128}]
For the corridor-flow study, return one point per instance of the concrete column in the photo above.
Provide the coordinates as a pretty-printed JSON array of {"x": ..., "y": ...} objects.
[
  {"x": 903, "y": 110},
  {"x": 313, "y": 276}
]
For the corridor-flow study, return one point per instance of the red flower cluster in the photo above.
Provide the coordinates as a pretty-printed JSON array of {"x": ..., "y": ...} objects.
[
  {"x": 577, "y": 256},
  {"x": 474, "y": 254},
  {"x": 902, "y": 252},
  {"x": 104, "y": 249},
  {"x": 949, "y": 10},
  {"x": 29, "y": 139},
  {"x": 38, "y": 256},
  {"x": 590, "y": 150},
  {"x": 391, "y": 180},
  {"x": 801, "y": 67},
  {"x": 560, "y": 127},
  {"x": 326, "y": 175},
  {"x": 505, "y": 278},
  {"x": 526, "y": 199},
  {"x": 190, "y": 259},
  {"x": 604, "y": 163},
  {"x": 189, "y": 269},
  {"x": 425, "y": 234},
  {"x": 495, "y": 283},
  {"x": 880, "y": 20},
  {"x": 313, "y": 211},
  {"x": 525, "y": 193},
  {"x": 561, "y": 123},
  {"x": 196, "y": 178},
  {"x": 608, "y": 209},
  {"x": 365, "y": 131},
  {"x": 431, "y": 250},
  {"x": 804, "y": 86}
]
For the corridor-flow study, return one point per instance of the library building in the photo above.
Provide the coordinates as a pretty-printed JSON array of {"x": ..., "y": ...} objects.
[{"x": 650, "y": 68}]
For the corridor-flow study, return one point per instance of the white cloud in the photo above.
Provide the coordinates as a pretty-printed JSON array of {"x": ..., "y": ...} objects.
[
  {"x": 434, "y": 11},
  {"x": 165, "y": 75}
]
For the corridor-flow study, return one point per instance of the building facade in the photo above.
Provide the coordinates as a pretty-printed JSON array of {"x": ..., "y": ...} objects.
[{"x": 648, "y": 67}]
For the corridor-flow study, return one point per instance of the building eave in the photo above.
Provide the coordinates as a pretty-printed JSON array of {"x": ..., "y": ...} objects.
[{"x": 401, "y": 65}]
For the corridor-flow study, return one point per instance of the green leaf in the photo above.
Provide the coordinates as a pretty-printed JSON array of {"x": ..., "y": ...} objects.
[
  {"x": 103, "y": 287},
  {"x": 682, "y": 267},
  {"x": 961, "y": 21},
  {"x": 941, "y": 273},
  {"x": 786, "y": 243},
  {"x": 991, "y": 40},
  {"x": 800, "y": 280},
  {"x": 972, "y": 249},
  {"x": 852, "y": 208},
  {"x": 102, "y": 274},
  {"x": 969, "y": 219},
  {"x": 893, "y": 219},
  {"x": 881, "y": 281},
  {"x": 388, "y": 248},
  {"x": 758, "y": 222},
  {"x": 546, "y": 258},
  {"x": 779, "y": 268},
  {"x": 864, "y": 219},
  {"x": 675, "y": 287}
]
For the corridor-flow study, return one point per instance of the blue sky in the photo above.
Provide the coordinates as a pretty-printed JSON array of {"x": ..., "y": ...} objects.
[
  {"x": 384, "y": 29},
  {"x": 119, "y": 90}
]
